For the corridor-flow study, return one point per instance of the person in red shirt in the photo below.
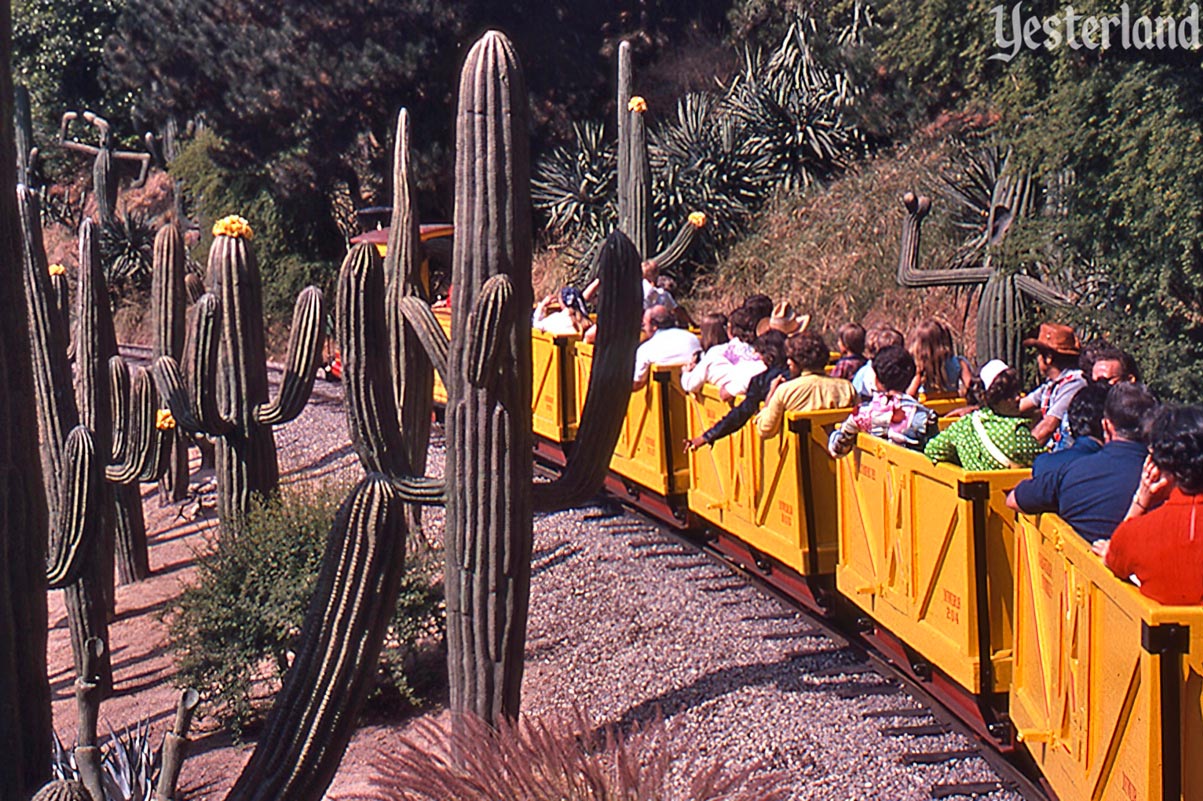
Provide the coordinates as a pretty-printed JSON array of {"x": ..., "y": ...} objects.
[{"x": 1160, "y": 541}]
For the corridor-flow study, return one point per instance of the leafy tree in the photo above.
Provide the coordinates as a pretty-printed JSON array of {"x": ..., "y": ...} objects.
[{"x": 57, "y": 54}]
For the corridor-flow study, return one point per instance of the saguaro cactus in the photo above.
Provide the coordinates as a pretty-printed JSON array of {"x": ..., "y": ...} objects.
[
  {"x": 168, "y": 302},
  {"x": 488, "y": 490},
  {"x": 1001, "y": 307},
  {"x": 104, "y": 183},
  {"x": 226, "y": 393},
  {"x": 25, "y": 723}
]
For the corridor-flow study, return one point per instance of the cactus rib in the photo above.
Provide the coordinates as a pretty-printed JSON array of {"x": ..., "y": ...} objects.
[{"x": 75, "y": 523}]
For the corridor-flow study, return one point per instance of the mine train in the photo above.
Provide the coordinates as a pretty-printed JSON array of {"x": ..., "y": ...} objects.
[{"x": 1009, "y": 620}]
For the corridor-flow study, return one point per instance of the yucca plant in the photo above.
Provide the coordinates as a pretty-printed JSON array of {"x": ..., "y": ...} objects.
[
  {"x": 127, "y": 251},
  {"x": 794, "y": 109},
  {"x": 576, "y": 186},
  {"x": 559, "y": 759},
  {"x": 702, "y": 162}
]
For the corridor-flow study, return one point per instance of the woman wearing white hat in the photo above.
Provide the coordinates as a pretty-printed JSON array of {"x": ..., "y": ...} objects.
[{"x": 993, "y": 437}]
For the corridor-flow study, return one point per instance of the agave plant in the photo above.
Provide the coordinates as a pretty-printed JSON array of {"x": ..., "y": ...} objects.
[
  {"x": 793, "y": 108},
  {"x": 127, "y": 251},
  {"x": 128, "y": 763},
  {"x": 702, "y": 162}
]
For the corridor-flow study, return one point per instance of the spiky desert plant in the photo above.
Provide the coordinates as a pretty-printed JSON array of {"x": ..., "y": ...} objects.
[
  {"x": 25, "y": 722},
  {"x": 576, "y": 186},
  {"x": 794, "y": 109},
  {"x": 63, "y": 790},
  {"x": 127, "y": 251},
  {"x": 701, "y": 161},
  {"x": 225, "y": 393},
  {"x": 168, "y": 302},
  {"x": 488, "y": 491},
  {"x": 558, "y": 759}
]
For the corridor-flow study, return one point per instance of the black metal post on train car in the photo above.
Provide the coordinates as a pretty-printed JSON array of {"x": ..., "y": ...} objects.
[
  {"x": 567, "y": 385},
  {"x": 665, "y": 378},
  {"x": 1169, "y": 641},
  {"x": 978, "y": 494},
  {"x": 803, "y": 427}
]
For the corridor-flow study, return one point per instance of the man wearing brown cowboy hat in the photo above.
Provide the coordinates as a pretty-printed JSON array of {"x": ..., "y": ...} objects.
[{"x": 1057, "y": 348}]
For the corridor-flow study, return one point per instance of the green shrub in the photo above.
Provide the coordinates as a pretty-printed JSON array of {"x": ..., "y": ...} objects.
[{"x": 234, "y": 630}]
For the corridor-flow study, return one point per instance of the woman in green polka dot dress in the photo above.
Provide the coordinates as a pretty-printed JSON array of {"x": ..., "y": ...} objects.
[{"x": 994, "y": 437}]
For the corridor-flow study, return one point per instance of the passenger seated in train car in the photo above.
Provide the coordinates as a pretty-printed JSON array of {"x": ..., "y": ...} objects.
[
  {"x": 731, "y": 368},
  {"x": 877, "y": 339},
  {"x": 1086, "y": 426},
  {"x": 761, "y": 307},
  {"x": 668, "y": 285},
  {"x": 1112, "y": 365},
  {"x": 1057, "y": 349},
  {"x": 850, "y": 342},
  {"x": 572, "y": 318},
  {"x": 1092, "y": 493},
  {"x": 994, "y": 437},
  {"x": 892, "y": 414},
  {"x": 939, "y": 370},
  {"x": 771, "y": 347},
  {"x": 808, "y": 388},
  {"x": 653, "y": 294},
  {"x": 787, "y": 321},
  {"x": 1160, "y": 541},
  {"x": 665, "y": 344}
]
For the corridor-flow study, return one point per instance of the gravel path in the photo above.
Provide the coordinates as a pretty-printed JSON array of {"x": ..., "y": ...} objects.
[{"x": 626, "y": 624}]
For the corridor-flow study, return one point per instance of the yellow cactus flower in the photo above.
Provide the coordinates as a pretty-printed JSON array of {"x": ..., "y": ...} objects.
[
  {"x": 638, "y": 104},
  {"x": 58, "y": 269},
  {"x": 697, "y": 219},
  {"x": 233, "y": 226},
  {"x": 164, "y": 420}
]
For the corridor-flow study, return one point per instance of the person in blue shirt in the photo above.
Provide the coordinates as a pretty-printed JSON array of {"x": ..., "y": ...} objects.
[
  {"x": 1085, "y": 424},
  {"x": 1092, "y": 493}
]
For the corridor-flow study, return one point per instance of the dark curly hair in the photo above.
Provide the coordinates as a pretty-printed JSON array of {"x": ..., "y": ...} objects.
[
  {"x": 771, "y": 347},
  {"x": 743, "y": 324},
  {"x": 1086, "y": 411},
  {"x": 894, "y": 367},
  {"x": 808, "y": 349},
  {"x": 1176, "y": 443}
]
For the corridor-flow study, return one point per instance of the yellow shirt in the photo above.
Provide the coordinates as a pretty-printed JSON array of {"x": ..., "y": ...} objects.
[{"x": 808, "y": 392}]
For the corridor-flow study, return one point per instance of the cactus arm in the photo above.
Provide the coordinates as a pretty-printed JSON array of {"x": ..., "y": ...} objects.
[
  {"x": 419, "y": 315},
  {"x": 680, "y": 244},
  {"x": 193, "y": 402},
  {"x": 123, "y": 425},
  {"x": 316, "y": 710},
  {"x": 909, "y": 274},
  {"x": 1041, "y": 291},
  {"x": 78, "y": 510},
  {"x": 489, "y": 328},
  {"x": 421, "y": 490},
  {"x": 304, "y": 351},
  {"x": 609, "y": 384},
  {"x": 142, "y": 459},
  {"x": 194, "y": 287},
  {"x": 368, "y": 390},
  {"x": 88, "y": 694},
  {"x": 175, "y": 746}
]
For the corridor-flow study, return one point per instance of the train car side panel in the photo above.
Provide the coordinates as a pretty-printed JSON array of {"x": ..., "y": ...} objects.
[
  {"x": 1106, "y": 691},
  {"x": 917, "y": 540},
  {"x": 553, "y": 402}
]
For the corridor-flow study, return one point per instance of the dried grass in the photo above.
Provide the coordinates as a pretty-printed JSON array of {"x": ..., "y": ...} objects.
[
  {"x": 559, "y": 759},
  {"x": 833, "y": 253}
]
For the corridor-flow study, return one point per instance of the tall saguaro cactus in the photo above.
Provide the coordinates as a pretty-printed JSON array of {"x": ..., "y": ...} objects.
[
  {"x": 225, "y": 394},
  {"x": 25, "y": 723}
]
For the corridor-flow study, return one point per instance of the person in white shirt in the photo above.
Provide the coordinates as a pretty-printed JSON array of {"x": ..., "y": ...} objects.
[
  {"x": 571, "y": 319},
  {"x": 729, "y": 366},
  {"x": 665, "y": 344}
]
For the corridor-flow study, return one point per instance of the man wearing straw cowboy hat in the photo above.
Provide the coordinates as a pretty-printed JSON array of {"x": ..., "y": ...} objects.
[{"x": 783, "y": 319}]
